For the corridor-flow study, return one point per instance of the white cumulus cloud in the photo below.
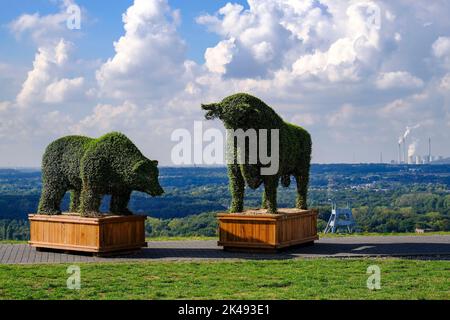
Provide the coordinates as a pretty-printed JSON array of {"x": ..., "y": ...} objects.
[
  {"x": 441, "y": 50},
  {"x": 352, "y": 72},
  {"x": 441, "y": 47},
  {"x": 59, "y": 90},
  {"x": 43, "y": 28},
  {"x": 47, "y": 62},
  {"x": 106, "y": 117},
  {"x": 398, "y": 79},
  {"x": 218, "y": 57},
  {"x": 149, "y": 60}
]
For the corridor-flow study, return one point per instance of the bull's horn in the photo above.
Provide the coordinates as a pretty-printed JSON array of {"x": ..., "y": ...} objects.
[{"x": 208, "y": 107}]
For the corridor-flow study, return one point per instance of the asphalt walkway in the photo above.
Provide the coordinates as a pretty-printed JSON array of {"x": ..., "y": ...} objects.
[{"x": 422, "y": 247}]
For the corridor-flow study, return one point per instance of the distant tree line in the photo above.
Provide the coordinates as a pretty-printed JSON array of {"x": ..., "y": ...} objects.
[
  {"x": 204, "y": 224},
  {"x": 14, "y": 230},
  {"x": 383, "y": 198}
]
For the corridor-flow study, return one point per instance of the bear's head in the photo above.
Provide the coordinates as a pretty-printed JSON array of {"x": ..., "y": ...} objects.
[{"x": 145, "y": 177}]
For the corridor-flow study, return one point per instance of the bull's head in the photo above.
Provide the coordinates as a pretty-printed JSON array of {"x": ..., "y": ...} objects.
[
  {"x": 234, "y": 111},
  {"x": 213, "y": 110}
]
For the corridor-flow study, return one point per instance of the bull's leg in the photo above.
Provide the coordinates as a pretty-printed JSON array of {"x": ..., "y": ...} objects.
[
  {"x": 270, "y": 194},
  {"x": 89, "y": 201},
  {"x": 75, "y": 201},
  {"x": 237, "y": 187},
  {"x": 264, "y": 204},
  {"x": 285, "y": 182},
  {"x": 119, "y": 203},
  {"x": 264, "y": 201},
  {"x": 302, "y": 190}
]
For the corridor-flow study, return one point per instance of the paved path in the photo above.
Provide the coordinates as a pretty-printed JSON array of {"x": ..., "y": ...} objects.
[{"x": 423, "y": 247}]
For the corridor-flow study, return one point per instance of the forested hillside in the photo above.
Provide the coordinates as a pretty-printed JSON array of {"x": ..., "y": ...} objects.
[{"x": 384, "y": 198}]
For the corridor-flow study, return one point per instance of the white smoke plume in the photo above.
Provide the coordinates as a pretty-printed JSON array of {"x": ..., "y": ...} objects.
[
  {"x": 409, "y": 129},
  {"x": 402, "y": 141},
  {"x": 412, "y": 149}
]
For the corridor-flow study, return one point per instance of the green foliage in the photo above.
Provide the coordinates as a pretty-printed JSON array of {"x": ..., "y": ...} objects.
[
  {"x": 243, "y": 111},
  {"x": 91, "y": 168},
  {"x": 204, "y": 224},
  {"x": 14, "y": 230}
]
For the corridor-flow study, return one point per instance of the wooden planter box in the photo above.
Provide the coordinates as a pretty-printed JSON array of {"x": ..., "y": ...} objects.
[
  {"x": 97, "y": 235},
  {"x": 255, "y": 230}
]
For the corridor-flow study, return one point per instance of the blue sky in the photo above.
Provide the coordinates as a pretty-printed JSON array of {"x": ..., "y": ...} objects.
[
  {"x": 356, "y": 74},
  {"x": 98, "y": 34}
]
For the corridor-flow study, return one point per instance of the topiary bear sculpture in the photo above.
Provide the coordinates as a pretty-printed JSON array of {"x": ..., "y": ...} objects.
[
  {"x": 243, "y": 111},
  {"x": 91, "y": 168}
]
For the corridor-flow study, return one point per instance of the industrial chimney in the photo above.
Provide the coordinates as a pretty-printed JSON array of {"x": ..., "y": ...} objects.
[
  {"x": 405, "y": 152},
  {"x": 429, "y": 150}
]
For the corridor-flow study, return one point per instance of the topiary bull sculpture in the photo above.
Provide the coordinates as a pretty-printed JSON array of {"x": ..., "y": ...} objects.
[{"x": 243, "y": 111}]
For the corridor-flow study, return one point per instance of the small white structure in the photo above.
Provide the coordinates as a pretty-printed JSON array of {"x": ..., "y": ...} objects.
[{"x": 340, "y": 218}]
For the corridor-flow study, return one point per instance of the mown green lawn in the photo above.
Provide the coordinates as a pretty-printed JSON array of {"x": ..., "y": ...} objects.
[
  {"x": 288, "y": 279},
  {"x": 12, "y": 241}
]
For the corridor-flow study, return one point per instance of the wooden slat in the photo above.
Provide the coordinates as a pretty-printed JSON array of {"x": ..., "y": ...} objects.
[
  {"x": 256, "y": 229},
  {"x": 100, "y": 234}
]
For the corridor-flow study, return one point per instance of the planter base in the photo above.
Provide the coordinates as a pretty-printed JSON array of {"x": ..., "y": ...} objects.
[
  {"x": 100, "y": 235},
  {"x": 258, "y": 231}
]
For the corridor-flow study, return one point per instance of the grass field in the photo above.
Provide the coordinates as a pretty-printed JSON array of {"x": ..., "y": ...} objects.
[
  {"x": 12, "y": 241},
  {"x": 292, "y": 279}
]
